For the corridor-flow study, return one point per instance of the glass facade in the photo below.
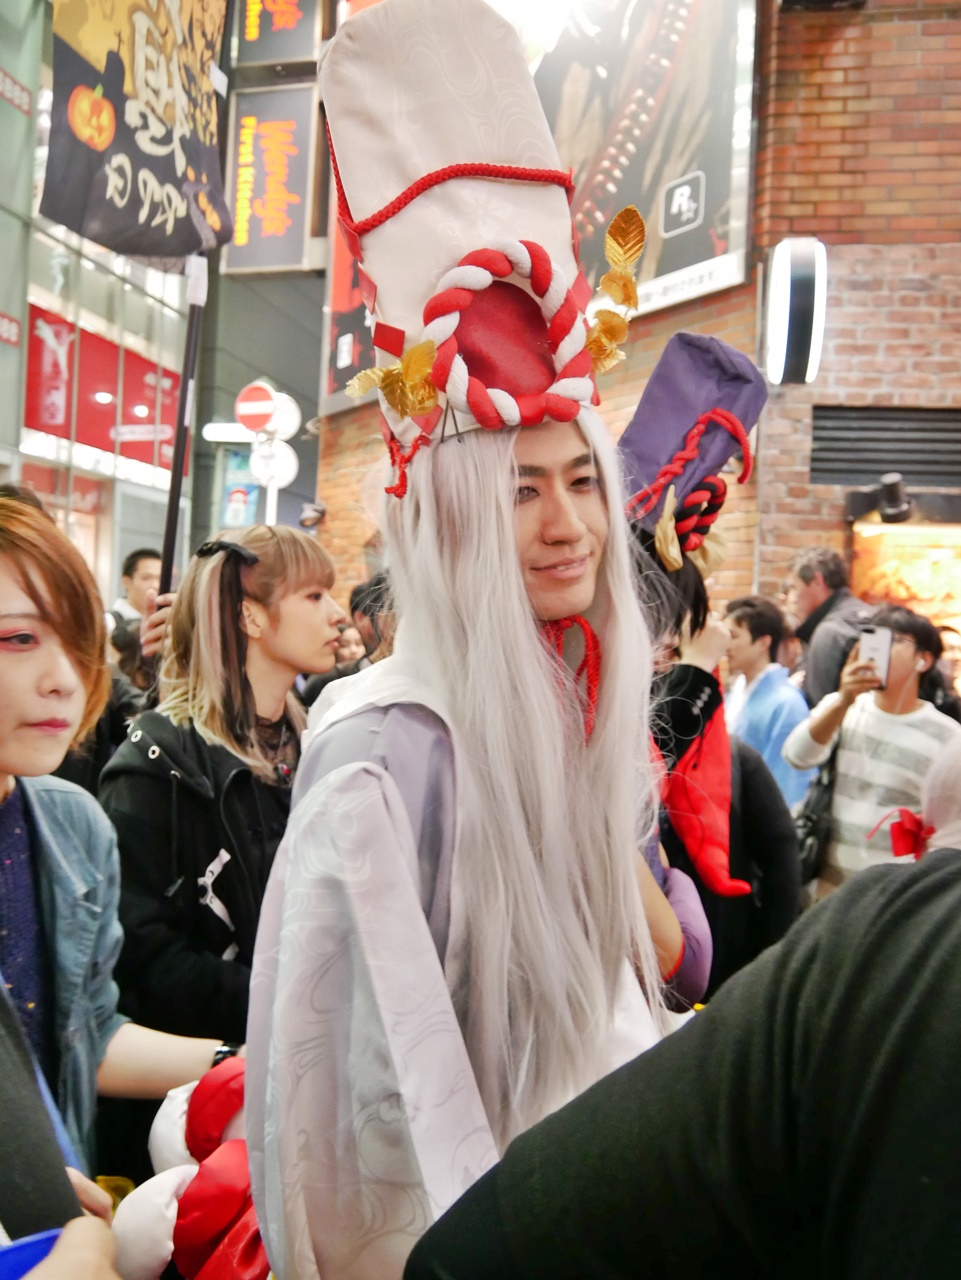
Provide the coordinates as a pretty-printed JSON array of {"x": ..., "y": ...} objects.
[{"x": 100, "y": 345}]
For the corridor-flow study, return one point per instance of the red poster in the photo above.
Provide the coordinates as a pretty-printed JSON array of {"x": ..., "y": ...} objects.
[{"x": 148, "y": 410}]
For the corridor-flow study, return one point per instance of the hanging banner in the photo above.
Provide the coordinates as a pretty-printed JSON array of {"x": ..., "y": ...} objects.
[
  {"x": 133, "y": 162},
  {"x": 273, "y": 142},
  {"x": 277, "y": 32}
]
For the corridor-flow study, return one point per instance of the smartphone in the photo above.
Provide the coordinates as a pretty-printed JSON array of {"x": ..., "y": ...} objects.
[{"x": 874, "y": 645}]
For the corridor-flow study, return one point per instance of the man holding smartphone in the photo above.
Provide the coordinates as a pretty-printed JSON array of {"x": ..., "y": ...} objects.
[{"x": 886, "y": 735}]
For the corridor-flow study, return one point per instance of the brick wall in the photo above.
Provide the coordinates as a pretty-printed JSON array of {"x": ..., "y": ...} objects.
[
  {"x": 893, "y": 338},
  {"x": 860, "y": 143}
]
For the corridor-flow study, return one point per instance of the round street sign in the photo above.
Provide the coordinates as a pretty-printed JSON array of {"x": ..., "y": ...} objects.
[
  {"x": 273, "y": 462},
  {"x": 287, "y": 417},
  {"x": 254, "y": 406}
]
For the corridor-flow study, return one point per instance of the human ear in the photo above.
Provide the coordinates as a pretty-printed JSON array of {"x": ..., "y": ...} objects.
[{"x": 252, "y": 619}]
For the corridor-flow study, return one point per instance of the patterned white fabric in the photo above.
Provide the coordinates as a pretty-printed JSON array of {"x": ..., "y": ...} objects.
[
  {"x": 414, "y": 86},
  {"x": 364, "y": 1121}
]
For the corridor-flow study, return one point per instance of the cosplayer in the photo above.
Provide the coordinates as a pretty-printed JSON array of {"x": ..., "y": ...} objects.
[
  {"x": 723, "y": 820},
  {"x": 453, "y": 941}
]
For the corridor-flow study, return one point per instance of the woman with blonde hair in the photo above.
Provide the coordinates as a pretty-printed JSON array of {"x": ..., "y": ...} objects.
[{"x": 200, "y": 791}]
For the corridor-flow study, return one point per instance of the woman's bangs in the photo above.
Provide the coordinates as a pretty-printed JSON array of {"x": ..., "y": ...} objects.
[{"x": 306, "y": 564}]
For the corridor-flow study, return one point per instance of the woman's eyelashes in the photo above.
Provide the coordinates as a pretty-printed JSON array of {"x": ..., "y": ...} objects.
[{"x": 18, "y": 640}]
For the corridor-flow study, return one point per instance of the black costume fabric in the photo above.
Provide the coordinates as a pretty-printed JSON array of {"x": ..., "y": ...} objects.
[
  {"x": 35, "y": 1194},
  {"x": 805, "y": 1124},
  {"x": 764, "y": 852}
]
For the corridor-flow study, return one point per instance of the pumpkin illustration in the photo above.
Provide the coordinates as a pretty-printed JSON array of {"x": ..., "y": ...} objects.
[{"x": 91, "y": 117}]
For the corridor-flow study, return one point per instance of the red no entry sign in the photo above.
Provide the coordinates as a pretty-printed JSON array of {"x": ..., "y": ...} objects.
[{"x": 255, "y": 406}]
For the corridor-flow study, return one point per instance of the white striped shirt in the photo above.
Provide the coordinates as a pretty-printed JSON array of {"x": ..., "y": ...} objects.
[{"x": 881, "y": 762}]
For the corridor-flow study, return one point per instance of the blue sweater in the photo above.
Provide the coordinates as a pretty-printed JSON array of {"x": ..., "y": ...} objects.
[{"x": 774, "y": 706}]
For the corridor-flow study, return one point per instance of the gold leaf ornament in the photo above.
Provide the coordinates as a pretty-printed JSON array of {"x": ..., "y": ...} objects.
[
  {"x": 666, "y": 542},
  {"x": 623, "y": 245},
  {"x": 624, "y": 242},
  {"x": 710, "y": 555},
  {"x": 604, "y": 340},
  {"x": 406, "y": 385}
]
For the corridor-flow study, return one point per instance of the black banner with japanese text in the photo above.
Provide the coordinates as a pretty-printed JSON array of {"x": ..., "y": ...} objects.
[{"x": 134, "y": 162}]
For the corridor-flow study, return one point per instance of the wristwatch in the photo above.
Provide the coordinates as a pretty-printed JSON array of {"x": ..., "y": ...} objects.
[{"x": 224, "y": 1052}]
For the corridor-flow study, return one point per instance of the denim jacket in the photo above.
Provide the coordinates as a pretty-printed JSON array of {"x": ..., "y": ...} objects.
[{"x": 79, "y": 875}]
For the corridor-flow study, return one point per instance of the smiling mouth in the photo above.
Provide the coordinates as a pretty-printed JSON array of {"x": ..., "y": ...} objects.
[{"x": 571, "y": 567}]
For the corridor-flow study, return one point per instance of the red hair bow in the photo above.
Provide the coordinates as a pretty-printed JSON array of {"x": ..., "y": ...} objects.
[{"x": 909, "y": 835}]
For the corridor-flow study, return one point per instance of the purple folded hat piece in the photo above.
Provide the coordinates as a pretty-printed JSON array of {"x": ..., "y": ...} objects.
[{"x": 695, "y": 375}]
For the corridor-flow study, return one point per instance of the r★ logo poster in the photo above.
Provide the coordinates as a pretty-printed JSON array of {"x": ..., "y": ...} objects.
[{"x": 133, "y": 162}]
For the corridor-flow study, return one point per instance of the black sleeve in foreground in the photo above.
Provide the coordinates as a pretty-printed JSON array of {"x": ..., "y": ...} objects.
[
  {"x": 35, "y": 1194},
  {"x": 805, "y": 1124}
]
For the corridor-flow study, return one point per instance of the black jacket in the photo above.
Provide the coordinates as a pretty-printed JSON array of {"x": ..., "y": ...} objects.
[
  {"x": 84, "y": 764},
  {"x": 197, "y": 832},
  {"x": 829, "y": 634}
]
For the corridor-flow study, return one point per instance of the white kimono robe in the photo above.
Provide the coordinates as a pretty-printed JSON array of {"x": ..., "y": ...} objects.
[{"x": 364, "y": 1120}]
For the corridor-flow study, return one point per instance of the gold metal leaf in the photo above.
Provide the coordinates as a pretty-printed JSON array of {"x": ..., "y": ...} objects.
[
  {"x": 418, "y": 361},
  {"x": 362, "y": 382},
  {"x": 620, "y": 287},
  {"x": 624, "y": 242},
  {"x": 604, "y": 340},
  {"x": 406, "y": 386}
]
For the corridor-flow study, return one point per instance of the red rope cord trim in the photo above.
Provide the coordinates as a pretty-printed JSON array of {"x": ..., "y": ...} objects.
[
  {"x": 590, "y": 667},
  {"x": 699, "y": 510},
  {"x": 343, "y": 209},
  {"x": 557, "y": 177},
  {"x": 647, "y": 498},
  {"x": 402, "y": 460}
]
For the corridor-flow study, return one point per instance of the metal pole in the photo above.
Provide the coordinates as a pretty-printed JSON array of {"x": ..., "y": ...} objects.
[
  {"x": 270, "y": 504},
  {"x": 185, "y": 403},
  {"x": 196, "y": 297}
]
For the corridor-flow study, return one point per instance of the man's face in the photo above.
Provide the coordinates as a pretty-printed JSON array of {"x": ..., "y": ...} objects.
[
  {"x": 560, "y": 519},
  {"x": 809, "y": 595},
  {"x": 744, "y": 655},
  {"x": 145, "y": 577}
]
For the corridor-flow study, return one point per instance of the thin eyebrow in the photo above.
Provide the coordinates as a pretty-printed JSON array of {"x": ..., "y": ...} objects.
[
  {"x": 32, "y": 616},
  {"x": 582, "y": 460}
]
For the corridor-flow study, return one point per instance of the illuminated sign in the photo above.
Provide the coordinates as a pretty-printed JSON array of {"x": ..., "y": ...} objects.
[
  {"x": 273, "y": 32},
  {"x": 271, "y": 177}
]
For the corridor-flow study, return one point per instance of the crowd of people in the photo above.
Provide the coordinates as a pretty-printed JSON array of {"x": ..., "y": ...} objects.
[{"x": 466, "y": 932}]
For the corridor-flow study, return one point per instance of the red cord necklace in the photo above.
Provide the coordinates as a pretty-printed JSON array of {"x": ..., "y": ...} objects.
[{"x": 590, "y": 667}]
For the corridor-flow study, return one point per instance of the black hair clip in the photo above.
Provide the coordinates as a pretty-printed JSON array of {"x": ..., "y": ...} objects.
[{"x": 228, "y": 548}]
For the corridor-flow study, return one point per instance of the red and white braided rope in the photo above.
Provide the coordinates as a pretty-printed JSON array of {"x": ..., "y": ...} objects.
[{"x": 492, "y": 408}]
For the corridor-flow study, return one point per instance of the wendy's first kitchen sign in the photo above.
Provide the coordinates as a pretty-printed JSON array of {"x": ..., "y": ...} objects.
[{"x": 271, "y": 177}]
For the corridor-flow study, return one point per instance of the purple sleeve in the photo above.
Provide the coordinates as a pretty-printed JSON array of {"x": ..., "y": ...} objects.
[
  {"x": 653, "y": 860},
  {"x": 688, "y": 984}
]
